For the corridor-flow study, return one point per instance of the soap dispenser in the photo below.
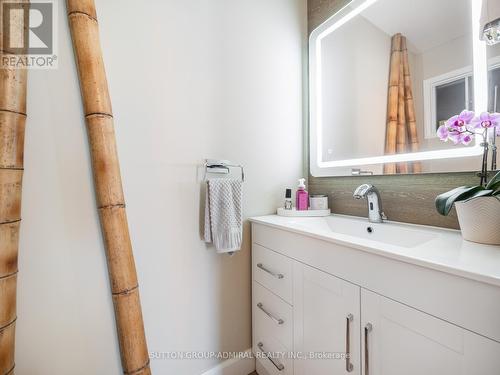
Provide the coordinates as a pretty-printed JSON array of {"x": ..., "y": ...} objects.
[{"x": 302, "y": 196}]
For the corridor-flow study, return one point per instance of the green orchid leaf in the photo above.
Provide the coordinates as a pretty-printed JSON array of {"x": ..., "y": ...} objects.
[
  {"x": 493, "y": 181},
  {"x": 445, "y": 201},
  {"x": 493, "y": 186},
  {"x": 480, "y": 193},
  {"x": 452, "y": 192}
]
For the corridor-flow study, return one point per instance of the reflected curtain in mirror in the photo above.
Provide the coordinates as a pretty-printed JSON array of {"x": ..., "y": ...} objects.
[{"x": 401, "y": 129}]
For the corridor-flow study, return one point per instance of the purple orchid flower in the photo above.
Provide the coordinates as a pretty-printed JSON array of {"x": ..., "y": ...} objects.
[
  {"x": 455, "y": 126},
  {"x": 443, "y": 133},
  {"x": 458, "y": 138},
  {"x": 466, "y": 139},
  {"x": 458, "y": 122},
  {"x": 486, "y": 120}
]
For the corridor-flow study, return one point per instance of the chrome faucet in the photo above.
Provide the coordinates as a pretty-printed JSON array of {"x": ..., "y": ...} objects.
[{"x": 370, "y": 192}]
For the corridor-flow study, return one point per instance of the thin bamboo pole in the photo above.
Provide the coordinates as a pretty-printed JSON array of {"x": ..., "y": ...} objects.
[
  {"x": 401, "y": 129},
  {"x": 12, "y": 125},
  {"x": 392, "y": 102},
  {"x": 410, "y": 108},
  {"x": 108, "y": 186}
]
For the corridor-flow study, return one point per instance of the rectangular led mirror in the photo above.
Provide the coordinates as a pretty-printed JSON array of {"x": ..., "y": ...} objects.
[{"x": 385, "y": 74}]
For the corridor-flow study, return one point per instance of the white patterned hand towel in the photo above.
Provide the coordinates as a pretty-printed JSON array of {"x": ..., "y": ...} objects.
[{"x": 223, "y": 218}]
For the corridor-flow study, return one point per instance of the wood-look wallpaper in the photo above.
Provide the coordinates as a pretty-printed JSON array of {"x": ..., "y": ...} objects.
[
  {"x": 406, "y": 198},
  {"x": 318, "y": 11}
]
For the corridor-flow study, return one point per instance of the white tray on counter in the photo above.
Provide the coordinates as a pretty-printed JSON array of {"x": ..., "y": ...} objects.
[{"x": 309, "y": 213}]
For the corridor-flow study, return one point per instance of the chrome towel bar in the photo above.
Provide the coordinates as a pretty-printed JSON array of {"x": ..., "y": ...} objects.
[{"x": 221, "y": 167}]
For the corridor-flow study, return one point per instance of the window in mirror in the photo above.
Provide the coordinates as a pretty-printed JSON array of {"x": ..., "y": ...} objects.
[
  {"x": 445, "y": 96},
  {"x": 494, "y": 98},
  {"x": 493, "y": 88},
  {"x": 451, "y": 98}
]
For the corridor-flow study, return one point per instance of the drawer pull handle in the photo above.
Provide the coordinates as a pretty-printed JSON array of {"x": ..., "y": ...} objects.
[
  {"x": 368, "y": 329},
  {"x": 348, "y": 365},
  {"x": 277, "y": 275},
  {"x": 276, "y": 364},
  {"x": 276, "y": 320}
]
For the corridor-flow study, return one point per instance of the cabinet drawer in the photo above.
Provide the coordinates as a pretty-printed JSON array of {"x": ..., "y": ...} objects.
[
  {"x": 272, "y": 315},
  {"x": 273, "y": 270},
  {"x": 279, "y": 361}
]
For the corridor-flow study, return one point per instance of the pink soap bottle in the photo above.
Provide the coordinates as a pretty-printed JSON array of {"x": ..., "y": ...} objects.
[{"x": 302, "y": 196}]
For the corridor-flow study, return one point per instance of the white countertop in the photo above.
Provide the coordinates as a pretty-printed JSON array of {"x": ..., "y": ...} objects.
[{"x": 436, "y": 248}]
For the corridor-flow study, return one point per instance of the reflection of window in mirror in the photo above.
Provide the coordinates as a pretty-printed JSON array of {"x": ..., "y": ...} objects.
[
  {"x": 445, "y": 96},
  {"x": 452, "y": 98},
  {"x": 493, "y": 104},
  {"x": 493, "y": 88},
  {"x": 454, "y": 91}
]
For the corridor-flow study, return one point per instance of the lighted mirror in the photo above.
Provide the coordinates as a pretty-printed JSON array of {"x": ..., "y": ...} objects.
[{"x": 385, "y": 75}]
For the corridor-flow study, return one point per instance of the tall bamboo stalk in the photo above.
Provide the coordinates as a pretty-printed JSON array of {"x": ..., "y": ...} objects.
[
  {"x": 392, "y": 102},
  {"x": 108, "y": 186},
  {"x": 401, "y": 129},
  {"x": 12, "y": 125},
  {"x": 410, "y": 108}
]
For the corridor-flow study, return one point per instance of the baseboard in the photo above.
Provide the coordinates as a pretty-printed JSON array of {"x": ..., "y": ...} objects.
[{"x": 235, "y": 366}]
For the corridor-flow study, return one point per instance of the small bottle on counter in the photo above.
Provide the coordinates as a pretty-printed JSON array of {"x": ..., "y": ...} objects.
[
  {"x": 302, "y": 196},
  {"x": 288, "y": 199}
]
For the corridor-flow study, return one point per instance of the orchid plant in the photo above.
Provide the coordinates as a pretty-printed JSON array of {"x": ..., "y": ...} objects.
[{"x": 462, "y": 129}]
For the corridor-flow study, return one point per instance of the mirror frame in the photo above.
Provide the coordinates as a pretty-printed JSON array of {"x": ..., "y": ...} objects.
[{"x": 320, "y": 168}]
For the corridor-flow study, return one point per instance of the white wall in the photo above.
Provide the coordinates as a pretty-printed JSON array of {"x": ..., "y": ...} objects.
[{"x": 188, "y": 80}]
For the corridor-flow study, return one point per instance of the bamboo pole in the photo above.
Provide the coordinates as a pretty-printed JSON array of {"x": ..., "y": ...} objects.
[
  {"x": 392, "y": 102},
  {"x": 410, "y": 108},
  {"x": 108, "y": 186},
  {"x": 401, "y": 168},
  {"x": 12, "y": 125}
]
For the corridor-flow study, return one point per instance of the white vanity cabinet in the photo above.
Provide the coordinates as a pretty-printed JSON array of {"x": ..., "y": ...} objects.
[{"x": 322, "y": 311}]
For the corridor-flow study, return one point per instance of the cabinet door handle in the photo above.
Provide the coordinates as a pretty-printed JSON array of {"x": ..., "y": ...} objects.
[
  {"x": 277, "y": 275},
  {"x": 348, "y": 365},
  {"x": 276, "y": 320},
  {"x": 276, "y": 364},
  {"x": 368, "y": 329}
]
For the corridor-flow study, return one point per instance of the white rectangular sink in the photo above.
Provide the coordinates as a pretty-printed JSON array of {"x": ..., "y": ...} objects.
[{"x": 388, "y": 233}]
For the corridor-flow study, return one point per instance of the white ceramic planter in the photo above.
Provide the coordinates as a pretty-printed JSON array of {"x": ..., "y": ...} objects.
[{"x": 480, "y": 219}]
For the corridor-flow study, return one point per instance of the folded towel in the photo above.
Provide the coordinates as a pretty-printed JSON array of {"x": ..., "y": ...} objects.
[{"x": 223, "y": 218}]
